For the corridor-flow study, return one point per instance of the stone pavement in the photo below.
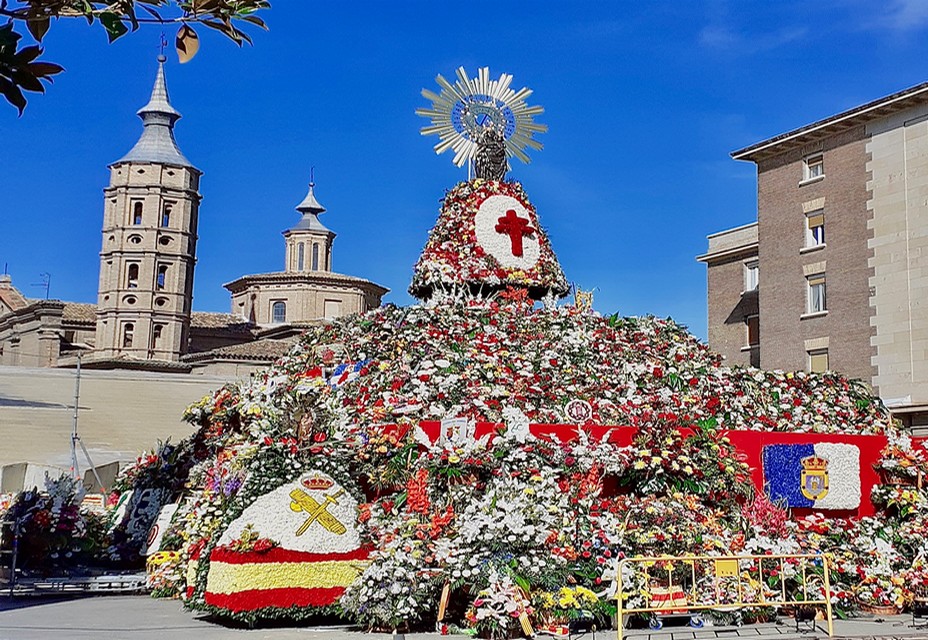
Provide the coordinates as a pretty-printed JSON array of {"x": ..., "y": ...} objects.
[{"x": 143, "y": 618}]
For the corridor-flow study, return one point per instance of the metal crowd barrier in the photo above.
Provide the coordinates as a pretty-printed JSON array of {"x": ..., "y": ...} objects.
[{"x": 700, "y": 583}]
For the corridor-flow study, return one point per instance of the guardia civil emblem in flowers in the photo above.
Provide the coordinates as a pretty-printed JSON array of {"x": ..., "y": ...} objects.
[{"x": 316, "y": 510}]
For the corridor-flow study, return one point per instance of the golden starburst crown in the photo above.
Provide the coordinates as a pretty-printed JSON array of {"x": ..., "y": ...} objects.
[{"x": 463, "y": 110}]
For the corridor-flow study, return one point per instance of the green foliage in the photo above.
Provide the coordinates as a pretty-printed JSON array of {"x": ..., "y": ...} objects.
[{"x": 19, "y": 70}]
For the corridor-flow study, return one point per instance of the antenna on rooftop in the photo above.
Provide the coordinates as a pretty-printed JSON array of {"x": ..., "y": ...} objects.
[{"x": 45, "y": 284}]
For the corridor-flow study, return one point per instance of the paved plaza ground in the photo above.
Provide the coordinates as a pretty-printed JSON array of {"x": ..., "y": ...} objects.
[{"x": 143, "y": 618}]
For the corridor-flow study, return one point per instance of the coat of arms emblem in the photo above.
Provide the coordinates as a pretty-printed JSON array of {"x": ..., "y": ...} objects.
[{"x": 813, "y": 479}]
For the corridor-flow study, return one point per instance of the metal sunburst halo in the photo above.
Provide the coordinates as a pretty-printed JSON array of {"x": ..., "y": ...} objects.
[{"x": 464, "y": 109}]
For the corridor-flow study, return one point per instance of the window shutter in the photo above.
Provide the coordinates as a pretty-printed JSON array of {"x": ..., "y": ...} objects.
[{"x": 816, "y": 220}]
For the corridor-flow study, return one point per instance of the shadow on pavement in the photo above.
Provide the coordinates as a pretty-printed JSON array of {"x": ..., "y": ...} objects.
[{"x": 8, "y": 603}]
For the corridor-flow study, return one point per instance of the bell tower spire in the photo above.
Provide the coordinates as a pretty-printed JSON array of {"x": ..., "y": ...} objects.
[
  {"x": 149, "y": 242},
  {"x": 157, "y": 143}
]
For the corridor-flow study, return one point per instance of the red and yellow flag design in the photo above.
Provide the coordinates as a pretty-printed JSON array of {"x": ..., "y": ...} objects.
[{"x": 280, "y": 578}]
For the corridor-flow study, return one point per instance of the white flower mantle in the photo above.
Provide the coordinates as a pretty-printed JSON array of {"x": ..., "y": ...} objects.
[
  {"x": 273, "y": 516},
  {"x": 843, "y": 475},
  {"x": 499, "y": 244}
]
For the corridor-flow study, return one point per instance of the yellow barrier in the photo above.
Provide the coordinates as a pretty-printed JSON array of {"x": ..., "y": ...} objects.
[{"x": 709, "y": 575}]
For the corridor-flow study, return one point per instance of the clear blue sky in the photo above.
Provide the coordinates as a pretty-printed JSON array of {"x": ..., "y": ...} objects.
[{"x": 644, "y": 101}]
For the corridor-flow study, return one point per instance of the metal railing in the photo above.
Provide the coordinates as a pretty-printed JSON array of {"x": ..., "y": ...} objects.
[{"x": 724, "y": 583}]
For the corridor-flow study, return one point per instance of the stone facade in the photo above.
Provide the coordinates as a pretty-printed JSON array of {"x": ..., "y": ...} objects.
[
  {"x": 898, "y": 182},
  {"x": 785, "y": 199},
  {"x": 121, "y": 412},
  {"x": 41, "y": 332},
  {"x": 733, "y": 303},
  {"x": 147, "y": 261},
  {"x": 842, "y": 228}
]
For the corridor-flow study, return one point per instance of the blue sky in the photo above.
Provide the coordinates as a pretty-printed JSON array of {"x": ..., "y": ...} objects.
[{"x": 644, "y": 100}]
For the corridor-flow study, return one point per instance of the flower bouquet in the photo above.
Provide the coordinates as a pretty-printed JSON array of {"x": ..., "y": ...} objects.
[
  {"x": 916, "y": 580},
  {"x": 901, "y": 462},
  {"x": 881, "y": 594},
  {"x": 498, "y": 609},
  {"x": 555, "y": 610}
]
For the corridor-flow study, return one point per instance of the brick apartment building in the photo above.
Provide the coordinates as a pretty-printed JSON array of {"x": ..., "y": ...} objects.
[{"x": 834, "y": 273}]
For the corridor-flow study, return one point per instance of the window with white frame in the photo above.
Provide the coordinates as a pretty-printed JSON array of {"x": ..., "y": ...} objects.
[
  {"x": 751, "y": 274},
  {"x": 815, "y": 228},
  {"x": 279, "y": 312},
  {"x": 813, "y": 167},
  {"x": 818, "y": 361},
  {"x": 816, "y": 294}
]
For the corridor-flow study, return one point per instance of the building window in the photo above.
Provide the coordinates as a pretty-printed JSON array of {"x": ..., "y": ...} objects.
[
  {"x": 816, "y": 299},
  {"x": 818, "y": 361},
  {"x": 315, "y": 257},
  {"x": 815, "y": 229},
  {"x": 166, "y": 214},
  {"x": 813, "y": 167},
  {"x": 132, "y": 276},
  {"x": 279, "y": 312},
  {"x": 128, "y": 332},
  {"x": 751, "y": 275},
  {"x": 301, "y": 255},
  {"x": 137, "y": 213},
  {"x": 752, "y": 324},
  {"x": 162, "y": 277},
  {"x": 156, "y": 332}
]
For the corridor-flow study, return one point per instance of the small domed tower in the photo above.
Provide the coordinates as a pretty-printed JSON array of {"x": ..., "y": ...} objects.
[
  {"x": 309, "y": 242},
  {"x": 149, "y": 242}
]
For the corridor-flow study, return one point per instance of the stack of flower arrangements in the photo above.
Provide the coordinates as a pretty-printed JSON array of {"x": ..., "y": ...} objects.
[{"x": 483, "y": 526}]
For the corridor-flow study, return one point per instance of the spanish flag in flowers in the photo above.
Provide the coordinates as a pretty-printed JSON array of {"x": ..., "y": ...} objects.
[
  {"x": 825, "y": 475},
  {"x": 280, "y": 578},
  {"x": 295, "y": 546}
]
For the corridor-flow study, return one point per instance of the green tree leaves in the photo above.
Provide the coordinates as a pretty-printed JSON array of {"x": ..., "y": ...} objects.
[{"x": 19, "y": 70}]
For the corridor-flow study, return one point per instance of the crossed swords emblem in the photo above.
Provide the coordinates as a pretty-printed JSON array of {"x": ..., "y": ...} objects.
[{"x": 317, "y": 511}]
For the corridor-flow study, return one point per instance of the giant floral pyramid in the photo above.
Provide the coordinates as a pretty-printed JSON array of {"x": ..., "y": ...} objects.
[{"x": 426, "y": 464}]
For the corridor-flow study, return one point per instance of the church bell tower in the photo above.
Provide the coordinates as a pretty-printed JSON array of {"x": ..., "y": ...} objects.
[{"x": 149, "y": 242}]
